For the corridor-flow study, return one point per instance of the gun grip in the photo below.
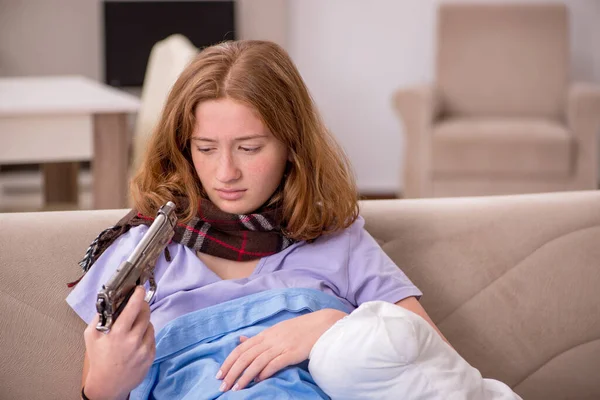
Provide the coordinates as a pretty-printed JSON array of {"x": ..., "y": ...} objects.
[{"x": 123, "y": 304}]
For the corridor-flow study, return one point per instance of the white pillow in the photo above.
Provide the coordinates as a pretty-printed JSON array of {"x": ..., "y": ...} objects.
[{"x": 382, "y": 351}]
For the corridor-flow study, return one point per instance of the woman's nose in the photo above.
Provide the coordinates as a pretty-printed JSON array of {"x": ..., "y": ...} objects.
[{"x": 227, "y": 170}]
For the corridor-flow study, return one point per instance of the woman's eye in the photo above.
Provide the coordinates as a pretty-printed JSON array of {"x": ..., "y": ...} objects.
[
  {"x": 250, "y": 149},
  {"x": 204, "y": 149}
]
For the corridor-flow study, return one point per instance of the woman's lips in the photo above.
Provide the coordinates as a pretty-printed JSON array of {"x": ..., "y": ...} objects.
[{"x": 230, "y": 194}]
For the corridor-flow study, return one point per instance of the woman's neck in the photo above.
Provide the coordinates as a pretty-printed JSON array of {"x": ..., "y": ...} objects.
[{"x": 228, "y": 269}]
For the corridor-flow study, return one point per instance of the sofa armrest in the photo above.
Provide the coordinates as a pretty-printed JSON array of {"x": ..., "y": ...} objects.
[
  {"x": 418, "y": 107},
  {"x": 583, "y": 119}
]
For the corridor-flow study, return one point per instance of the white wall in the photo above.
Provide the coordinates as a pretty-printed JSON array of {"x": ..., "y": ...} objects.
[
  {"x": 354, "y": 56},
  {"x": 50, "y": 37},
  {"x": 53, "y": 37}
]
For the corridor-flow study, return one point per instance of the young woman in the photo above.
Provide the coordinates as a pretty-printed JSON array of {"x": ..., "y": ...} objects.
[{"x": 265, "y": 200}]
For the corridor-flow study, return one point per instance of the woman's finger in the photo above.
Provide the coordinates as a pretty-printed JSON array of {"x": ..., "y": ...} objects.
[
  {"x": 91, "y": 332},
  {"x": 240, "y": 364},
  {"x": 131, "y": 311},
  {"x": 150, "y": 342},
  {"x": 235, "y": 354},
  {"x": 275, "y": 365},
  {"x": 255, "y": 368},
  {"x": 142, "y": 321}
]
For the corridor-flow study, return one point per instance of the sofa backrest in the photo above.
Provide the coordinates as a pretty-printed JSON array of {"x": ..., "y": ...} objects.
[
  {"x": 511, "y": 281},
  {"x": 504, "y": 60}
]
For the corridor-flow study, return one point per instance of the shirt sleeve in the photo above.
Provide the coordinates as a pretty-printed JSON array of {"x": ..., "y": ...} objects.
[
  {"x": 83, "y": 297},
  {"x": 372, "y": 275}
]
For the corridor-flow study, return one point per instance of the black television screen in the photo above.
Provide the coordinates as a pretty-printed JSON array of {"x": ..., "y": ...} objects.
[{"x": 131, "y": 28}]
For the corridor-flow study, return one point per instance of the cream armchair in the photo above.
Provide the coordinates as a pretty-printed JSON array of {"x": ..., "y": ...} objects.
[
  {"x": 168, "y": 58},
  {"x": 501, "y": 117}
]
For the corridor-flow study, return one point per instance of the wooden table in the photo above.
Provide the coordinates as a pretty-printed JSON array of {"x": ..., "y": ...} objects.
[{"x": 61, "y": 120}]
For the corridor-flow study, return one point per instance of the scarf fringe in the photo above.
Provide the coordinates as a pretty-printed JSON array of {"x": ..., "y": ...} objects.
[{"x": 212, "y": 231}]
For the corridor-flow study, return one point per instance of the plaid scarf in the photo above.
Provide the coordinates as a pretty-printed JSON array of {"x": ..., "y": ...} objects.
[{"x": 212, "y": 231}]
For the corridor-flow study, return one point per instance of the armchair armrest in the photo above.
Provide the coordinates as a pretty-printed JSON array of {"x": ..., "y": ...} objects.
[
  {"x": 417, "y": 107},
  {"x": 583, "y": 120},
  {"x": 583, "y": 108}
]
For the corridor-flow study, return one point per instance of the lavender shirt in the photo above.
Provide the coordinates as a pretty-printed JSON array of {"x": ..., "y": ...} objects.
[{"x": 349, "y": 265}]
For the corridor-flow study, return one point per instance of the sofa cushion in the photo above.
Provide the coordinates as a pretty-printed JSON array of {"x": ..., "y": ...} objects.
[{"x": 503, "y": 147}]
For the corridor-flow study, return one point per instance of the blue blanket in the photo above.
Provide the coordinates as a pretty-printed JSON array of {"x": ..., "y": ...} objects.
[{"x": 191, "y": 348}]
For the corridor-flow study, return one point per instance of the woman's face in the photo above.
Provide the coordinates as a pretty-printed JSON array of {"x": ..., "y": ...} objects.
[{"x": 238, "y": 160}]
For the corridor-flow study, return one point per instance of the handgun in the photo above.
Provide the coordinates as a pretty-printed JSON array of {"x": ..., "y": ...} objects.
[{"x": 137, "y": 269}]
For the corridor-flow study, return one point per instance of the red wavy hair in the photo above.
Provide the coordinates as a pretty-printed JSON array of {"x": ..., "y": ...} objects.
[{"x": 318, "y": 192}]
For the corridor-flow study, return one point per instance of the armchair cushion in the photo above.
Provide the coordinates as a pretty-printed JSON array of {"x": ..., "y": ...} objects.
[{"x": 502, "y": 147}]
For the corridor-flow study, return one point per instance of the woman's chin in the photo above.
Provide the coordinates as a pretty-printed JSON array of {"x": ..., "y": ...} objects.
[{"x": 234, "y": 206}]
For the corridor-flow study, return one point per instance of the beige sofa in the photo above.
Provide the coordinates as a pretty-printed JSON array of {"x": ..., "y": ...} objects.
[{"x": 513, "y": 282}]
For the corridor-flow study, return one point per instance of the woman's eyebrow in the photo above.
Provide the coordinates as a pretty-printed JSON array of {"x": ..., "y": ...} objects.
[
  {"x": 249, "y": 137},
  {"x": 203, "y": 139}
]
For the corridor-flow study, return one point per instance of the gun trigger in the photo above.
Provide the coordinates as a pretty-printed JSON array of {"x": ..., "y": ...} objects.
[{"x": 167, "y": 254}]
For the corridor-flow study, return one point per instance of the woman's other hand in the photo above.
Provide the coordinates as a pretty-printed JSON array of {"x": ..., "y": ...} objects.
[
  {"x": 286, "y": 343},
  {"x": 119, "y": 360}
]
